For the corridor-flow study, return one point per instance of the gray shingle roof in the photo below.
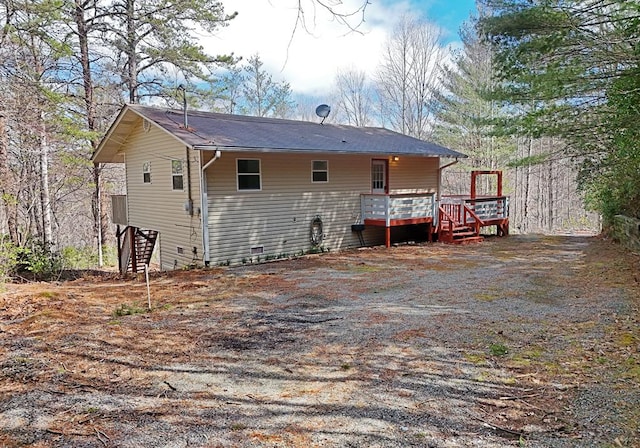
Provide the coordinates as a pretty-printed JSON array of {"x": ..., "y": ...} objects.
[{"x": 209, "y": 130}]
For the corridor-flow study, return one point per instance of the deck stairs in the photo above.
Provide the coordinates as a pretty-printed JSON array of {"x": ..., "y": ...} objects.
[
  {"x": 458, "y": 224},
  {"x": 136, "y": 249}
]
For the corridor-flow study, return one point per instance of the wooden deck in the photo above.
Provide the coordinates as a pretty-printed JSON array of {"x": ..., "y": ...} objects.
[
  {"x": 393, "y": 210},
  {"x": 488, "y": 210},
  {"x": 457, "y": 219}
]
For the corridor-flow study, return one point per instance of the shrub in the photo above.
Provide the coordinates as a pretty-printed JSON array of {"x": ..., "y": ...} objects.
[
  {"x": 34, "y": 260},
  {"x": 8, "y": 258},
  {"x": 38, "y": 260}
]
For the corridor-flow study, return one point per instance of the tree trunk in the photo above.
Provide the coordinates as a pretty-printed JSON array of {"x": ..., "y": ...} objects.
[
  {"x": 97, "y": 213},
  {"x": 527, "y": 181},
  {"x": 131, "y": 53},
  {"x": 550, "y": 201},
  {"x": 8, "y": 198},
  {"x": 85, "y": 62},
  {"x": 45, "y": 196}
]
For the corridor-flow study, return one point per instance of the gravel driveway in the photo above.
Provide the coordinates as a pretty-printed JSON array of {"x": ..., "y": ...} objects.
[{"x": 522, "y": 341}]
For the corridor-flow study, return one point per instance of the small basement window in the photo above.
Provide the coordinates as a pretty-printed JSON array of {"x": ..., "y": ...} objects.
[
  {"x": 249, "y": 177},
  {"x": 146, "y": 172},
  {"x": 320, "y": 171},
  {"x": 258, "y": 250},
  {"x": 177, "y": 180}
]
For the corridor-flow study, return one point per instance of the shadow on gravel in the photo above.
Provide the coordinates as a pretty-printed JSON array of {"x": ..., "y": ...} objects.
[{"x": 430, "y": 346}]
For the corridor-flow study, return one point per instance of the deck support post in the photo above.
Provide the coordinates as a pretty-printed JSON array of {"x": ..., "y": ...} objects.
[
  {"x": 387, "y": 241},
  {"x": 134, "y": 249},
  {"x": 119, "y": 243}
]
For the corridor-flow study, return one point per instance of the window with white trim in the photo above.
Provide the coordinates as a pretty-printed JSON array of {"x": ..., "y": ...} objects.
[
  {"x": 320, "y": 171},
  {"x": 249, "y": 177},
  {"x": 177, "y": 177},
  {"x": 146, "y": 172}
]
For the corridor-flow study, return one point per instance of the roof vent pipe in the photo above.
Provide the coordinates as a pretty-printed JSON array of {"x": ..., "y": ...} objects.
[{"x": 184, "y": 105}]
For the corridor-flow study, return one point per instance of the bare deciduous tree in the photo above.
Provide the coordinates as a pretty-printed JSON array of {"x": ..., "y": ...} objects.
[
  {"x": 354, "y": 97},
  {"x": 408, "y": 77}
]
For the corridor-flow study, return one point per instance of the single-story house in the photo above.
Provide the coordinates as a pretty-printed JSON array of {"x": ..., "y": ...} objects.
[{"x": 218, "y": 189}]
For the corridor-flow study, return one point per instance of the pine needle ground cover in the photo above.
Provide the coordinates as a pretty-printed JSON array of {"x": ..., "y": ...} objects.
[{"x": 522, "y": 341}]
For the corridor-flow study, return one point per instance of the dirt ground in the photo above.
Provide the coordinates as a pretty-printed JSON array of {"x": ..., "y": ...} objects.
[{"x": 528, "y": 341}]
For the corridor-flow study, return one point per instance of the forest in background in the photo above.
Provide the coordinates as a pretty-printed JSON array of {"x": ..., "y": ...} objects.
[{"x": 545, "y": 91}]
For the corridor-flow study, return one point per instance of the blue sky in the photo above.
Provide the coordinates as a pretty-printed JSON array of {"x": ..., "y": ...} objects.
[
  {"x": 449, "y": 14},
  {"x": 310, "y": 61}
]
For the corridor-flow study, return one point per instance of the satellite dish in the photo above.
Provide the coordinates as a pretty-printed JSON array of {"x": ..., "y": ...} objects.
[{"x": 323, "y": 111}]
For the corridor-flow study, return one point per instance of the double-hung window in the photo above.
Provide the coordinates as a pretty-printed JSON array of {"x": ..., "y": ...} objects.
[
  {"x": 146, "y": 172},
  {"x": 320, "y": 171},
  {"x": 249, "y": 177},
  {"x": 177, "y": 178}
]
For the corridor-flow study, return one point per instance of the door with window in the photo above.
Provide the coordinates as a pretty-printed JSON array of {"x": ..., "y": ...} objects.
[{"x": 379, "y": 177}]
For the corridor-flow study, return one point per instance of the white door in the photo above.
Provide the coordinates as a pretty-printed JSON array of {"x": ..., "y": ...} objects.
[{"x": 379, "y": 176}]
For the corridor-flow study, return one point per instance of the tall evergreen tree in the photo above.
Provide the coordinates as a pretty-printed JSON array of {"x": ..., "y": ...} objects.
[
  {"x": 465, "y": 114},
  {"x": 565, "y": 67},
  {"x": 262, "y": 96},
  {"x": 151, "y": 37}
]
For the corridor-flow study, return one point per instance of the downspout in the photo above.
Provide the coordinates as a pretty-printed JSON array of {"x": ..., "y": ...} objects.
[
  {"x": 440, "y": 176},
  {"x": 189, "y": 205},
  {"x": 204, "y": 207}
]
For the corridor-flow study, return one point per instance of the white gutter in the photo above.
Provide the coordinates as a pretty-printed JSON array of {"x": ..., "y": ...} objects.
[{"x": 204, "y": 207}]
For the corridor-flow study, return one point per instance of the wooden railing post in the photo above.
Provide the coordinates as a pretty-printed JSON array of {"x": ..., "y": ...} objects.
[{"x": 387, "y": 209}]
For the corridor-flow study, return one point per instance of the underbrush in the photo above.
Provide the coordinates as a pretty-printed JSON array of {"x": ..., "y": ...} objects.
[{"x": 37, "y": 261}]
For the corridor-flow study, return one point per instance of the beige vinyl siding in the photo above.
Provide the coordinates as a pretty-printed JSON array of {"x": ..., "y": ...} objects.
[
  {"x": 155, "y": 205},
  {"x": 413, "y": 175},
  {"x": 279, "y": 216}
]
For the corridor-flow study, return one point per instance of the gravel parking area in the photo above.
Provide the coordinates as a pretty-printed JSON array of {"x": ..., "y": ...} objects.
[{"x": 522, "y": 341}]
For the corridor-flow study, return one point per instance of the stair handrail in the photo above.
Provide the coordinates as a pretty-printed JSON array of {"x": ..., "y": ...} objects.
[
  {"x": 477, "y": 221},
  {"x": 451, "y": 219},
  {"x": 149, "y": 244}
]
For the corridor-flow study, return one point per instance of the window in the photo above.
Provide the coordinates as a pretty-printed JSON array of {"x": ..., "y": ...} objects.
[
  {"x": 249, "y": 174},
  {"x": 320, "y": 171},
  {"x": 176, "y": 175},
  {"x": 146, "y": 172}
]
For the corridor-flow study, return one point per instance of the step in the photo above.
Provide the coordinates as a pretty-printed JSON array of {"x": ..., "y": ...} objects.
[
  {"x": 468, "y": 240},
  {"x": 458, "y": 235}
]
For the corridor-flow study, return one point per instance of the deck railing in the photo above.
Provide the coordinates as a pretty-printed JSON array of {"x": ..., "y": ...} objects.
[
  {"x": 390, "y": 207},
  {"x": 490, "y": 208},
  {"x": 486, "y": 208}
]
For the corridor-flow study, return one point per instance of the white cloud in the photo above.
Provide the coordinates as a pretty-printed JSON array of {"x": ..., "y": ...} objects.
[{"x": 311, "y": 59}]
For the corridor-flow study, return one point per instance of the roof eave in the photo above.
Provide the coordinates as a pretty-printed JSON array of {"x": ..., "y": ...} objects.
[
  {"x": 108, "y": 150},
  {"x": 213, "y": 147}
]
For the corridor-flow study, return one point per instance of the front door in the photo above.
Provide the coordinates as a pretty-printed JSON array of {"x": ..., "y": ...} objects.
[{"x": 379, "y": 177}]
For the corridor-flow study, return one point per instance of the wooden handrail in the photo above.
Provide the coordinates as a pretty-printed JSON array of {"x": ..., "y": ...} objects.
[
  {"x": 447, "y": 215},
  {"x": 444, "y": 214},
  {"x": 477, "y": 221},
  {"x": 484, "y": 198}
]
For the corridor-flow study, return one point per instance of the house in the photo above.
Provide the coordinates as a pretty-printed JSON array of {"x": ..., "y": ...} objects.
[{"x": 219, "y": 189}]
